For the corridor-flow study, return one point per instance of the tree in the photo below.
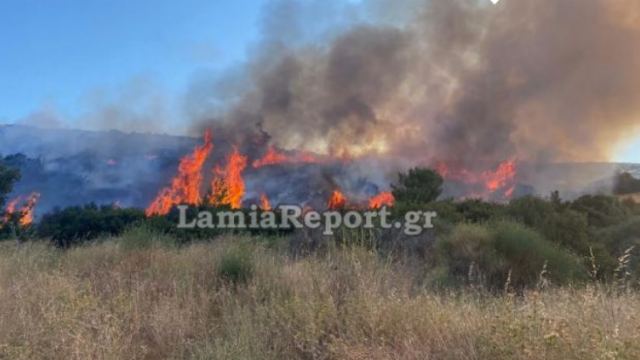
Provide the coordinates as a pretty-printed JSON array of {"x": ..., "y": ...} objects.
[
  {"x": 625, "y": 183},
  {"x": 418, "y": 186},
  {"x": 8, "y": 176}
]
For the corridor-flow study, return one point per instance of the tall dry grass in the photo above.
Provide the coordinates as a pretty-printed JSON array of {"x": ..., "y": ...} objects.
[{"x": 115, "y": 301}]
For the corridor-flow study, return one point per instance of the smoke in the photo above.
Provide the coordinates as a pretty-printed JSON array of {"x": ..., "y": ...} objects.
[{"x": 461, "y": 81}]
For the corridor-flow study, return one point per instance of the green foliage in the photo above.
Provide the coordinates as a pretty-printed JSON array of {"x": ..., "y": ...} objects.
[
  {"x": 478, "y": 211},
  {"x": 74, "y": 225},
  {"x": 558, "y": 223},
  {"x": 417, "y": 187},
  {"x": 491, "y": 252},
  {"x": 144, "y": 236},
  {"x": 236, "y": 265},
  {"x": 601, "y": 210},
  {"x": 8, "y": 176}
]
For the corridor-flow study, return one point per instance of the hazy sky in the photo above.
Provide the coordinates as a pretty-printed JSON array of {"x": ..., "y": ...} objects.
[
  {"x": 56, "y": 55},
  {"x": 53, "y": 53}
]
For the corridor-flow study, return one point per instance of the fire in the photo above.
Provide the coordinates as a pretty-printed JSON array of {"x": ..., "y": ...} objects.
[
  {"x": 274, "y": 157},
  {"x": 26, "y": 211},
  {"x": 227, "y": 187},
  {"x": 264, "y": 202},
  {"x": 271, "y": 157},
  {"x": 185, "y": 186},
  {"x": 504, "y": 175},
  {"x": 337, "y": 200},
  {"x": 492, "y": 181},
  {"x": 10, "y": 209},
  {"x": 383, "y": 199}
]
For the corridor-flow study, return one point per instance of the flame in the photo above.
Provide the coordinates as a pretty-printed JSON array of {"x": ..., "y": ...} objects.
[
  {"x": 337, "y": 200},
  {"x": 227, "y": 187},
  {"x": 10, "y": 209},
  {"x": 271, "y": 157},
  {"x": 264, "y": 202},
  {"x": 26, "y": 213},
  {"x": 504, "y": 175},
  {"x": 185, "y": 186},
  {"x": 383, "y": 199},
  {"x": 274, "y": 157},
  {"x": 492, "y": 181}
]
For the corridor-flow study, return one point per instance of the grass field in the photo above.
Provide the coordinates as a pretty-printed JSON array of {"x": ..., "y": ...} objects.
[{"x": 235, "y": 299}]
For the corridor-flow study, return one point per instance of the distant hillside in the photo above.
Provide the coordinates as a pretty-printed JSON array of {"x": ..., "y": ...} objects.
[{"x": 70, "y": 167}]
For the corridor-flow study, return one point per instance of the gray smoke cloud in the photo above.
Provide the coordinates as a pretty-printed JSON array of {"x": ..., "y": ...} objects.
[{"x": 461, "y": 81}]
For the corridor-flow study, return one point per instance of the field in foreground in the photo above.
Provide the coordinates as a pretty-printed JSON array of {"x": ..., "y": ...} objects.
[{"x": 234, "y": 299}]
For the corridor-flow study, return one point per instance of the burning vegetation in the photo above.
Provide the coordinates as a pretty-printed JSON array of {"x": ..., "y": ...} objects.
[
  {"x": 185, "y": 186},
  {"x": 228, "y": 186},
  {"x": 23, "y": 214}
]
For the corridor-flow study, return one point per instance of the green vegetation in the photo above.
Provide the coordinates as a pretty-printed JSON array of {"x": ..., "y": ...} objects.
[
  {"x": 74, "y": 225},
  {"x": 107, "y": 301},
  {"x": 419, "y": 186},
  {"x": 530, "y": 279},
  {"x": 8, "y": 176},
  {"x": 495, "y": 242}
]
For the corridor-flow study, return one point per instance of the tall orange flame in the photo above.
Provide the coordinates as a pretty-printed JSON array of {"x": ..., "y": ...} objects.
[
  {"x": 337, "y": 200},
  {"x": 185, "y": 186},
  {"x": 227, "y": 187},
  {"x": 264, "y": 202},
  {"x": 383, "y": 199}
]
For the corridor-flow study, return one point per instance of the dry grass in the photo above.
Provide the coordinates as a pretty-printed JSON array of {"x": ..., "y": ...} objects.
[{"x": 108, "y": 301}]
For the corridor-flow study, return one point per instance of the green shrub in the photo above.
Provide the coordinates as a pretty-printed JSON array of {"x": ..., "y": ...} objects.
[
  {"x": 77, "y": 224},
  {"x": 601, "y": 210},
  {"x": 477, "y": 211},
  {"x": 417, "y": 187},
  {"x": 555, "y": 221},
  {"x": 525, "y": 252},
  {"x": 143, "y": 237},
  {"x": 494, "y": 250},
  {"x": 236, "y": 265}
]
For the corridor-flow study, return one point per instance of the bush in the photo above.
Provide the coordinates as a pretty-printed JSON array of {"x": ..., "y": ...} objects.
[
  {"x": 556, "y": 222},
  {"x": 143, "y": 237},
  {"x": 77, "y": 224},
  {"x": 417, "y": 187},
  {"x": 236, "y": 265},
  {"x": 626, "y": 184},
  {"x": 478, "y": 211},
  {"x": 601, "y": 210},
  {"x": 492, "y": 251}
]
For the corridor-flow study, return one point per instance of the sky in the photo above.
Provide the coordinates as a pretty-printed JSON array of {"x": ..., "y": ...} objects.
[
  {"x": 56, "y": 54},
  {"x": 53, "y": 53}
]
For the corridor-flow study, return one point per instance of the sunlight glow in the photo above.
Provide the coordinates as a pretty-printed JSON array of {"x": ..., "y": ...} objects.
[{"x": 629, "y": 153}]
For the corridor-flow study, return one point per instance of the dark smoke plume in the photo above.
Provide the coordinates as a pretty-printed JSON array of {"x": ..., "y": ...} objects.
[{"x": 461, "y": 81}]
